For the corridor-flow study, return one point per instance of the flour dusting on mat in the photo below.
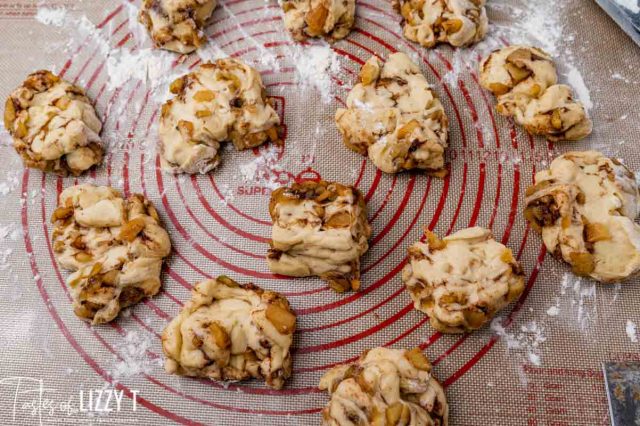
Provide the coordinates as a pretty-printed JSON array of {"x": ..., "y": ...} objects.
[
  {"x": 553, "y": 311},
  {"x": 11, "y": 182},
  {"x": 210, "y": 52},
  {"x": 632, "y": 331},
  {"x": 575, "y": 80},
  {"x": 582, "y": 299},
  {"x": 153, "y": 67},
  {"x": 264, "y": 170},
  {"x": 134, "y": 357},
  {"x": 539, "y": 24},
  {"x": 526, "y": 342},
  {"x": 9, "y": 234},
  {"x": 267, "y": 60},
  {"x": 146, "y": 65},
  {"x": 316, "y": 66},
  {"x": 51, "y": 16}
]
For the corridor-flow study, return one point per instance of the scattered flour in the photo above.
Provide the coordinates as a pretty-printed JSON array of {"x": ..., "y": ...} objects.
[
  {"x": 210, "y": 52},
  {"x": 526, "y": 342},
  {"x": 316, "y": 65},
  {"x": 267, "y": 60},
  {"x": 582, "y": 303},
  {"x": 5, "y": 253},
  {"x": 553, "y": 311},
  {"x": 123, "y": 64},
  {"x": 147, "y": 65},
  {"x": 265, "y": 169},
  {"x": 138, "y": 31},
  {"x": 228, "y": 195},
  {"x": 18, "y": 326},
  {"x": 541, "y": 23},
  {"x": 135, "y": 360},
  {"x": 10, "y": 183},
  {"x": 618, "y": 76},
  {"x": 631, "y": 331},
  {"x": 575, "y": 80},
  {"x": 458, "y": 65},
  {"x": 51, "y": 16}
]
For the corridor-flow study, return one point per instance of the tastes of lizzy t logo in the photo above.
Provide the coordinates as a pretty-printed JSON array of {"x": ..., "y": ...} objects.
[{"x": 30, "y": 399}]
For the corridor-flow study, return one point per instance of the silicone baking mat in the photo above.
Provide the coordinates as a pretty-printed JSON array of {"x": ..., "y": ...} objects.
[{"x": 539, "y": 363}]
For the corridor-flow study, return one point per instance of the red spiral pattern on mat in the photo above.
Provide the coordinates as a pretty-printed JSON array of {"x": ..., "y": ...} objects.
[{"x": 155, "y": 185}]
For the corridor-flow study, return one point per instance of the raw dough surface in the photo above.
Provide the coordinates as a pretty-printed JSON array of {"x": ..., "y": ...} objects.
[
  {"x": 115, "y": 245},
  {"x": 585, "y": 206},
  {"x": 461, "y": 281},
  {"x": 218, "y": 102},
  {"x": 385, "y": 387},
  {"x": 393, "y": 116},
  {"x": 54, "y": 125},
  {"x": 319, "y": 228},
  {"x": 456, "y": 22},
  {"x": 330, "y": 19},
  {"x": 524, "y": 79},
  {"x": 230, "y": 331},
  {"x": 176, "y": 25}
]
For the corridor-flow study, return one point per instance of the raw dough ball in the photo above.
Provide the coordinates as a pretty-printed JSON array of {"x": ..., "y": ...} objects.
[
  {"x": 116, "y": 247},
  {"x": 54, "y": 125},
  {"x": 385, "y": 387},
  {"x": 230, "y": 331},
  {"x": 393, "y": 115},
  {"x": 557, "y": 116},
  {"x": 219, "y": 102},
  {"x": 585, "y": 206},
  {"x": 524, "y": 80},
  {"x": 176, "y": 25},
  {"x": 330, "y": 19},
  {"x": 457, "y": 22},
  {"x": 517, "y": 75},
  {"x": 460, "y": 282},
  {"x": 319, "y": 228}
]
